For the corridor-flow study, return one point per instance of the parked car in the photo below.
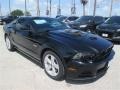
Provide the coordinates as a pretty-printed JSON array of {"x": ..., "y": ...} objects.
[
  {"x": 87, "y": 23},
  {"x": 58, "y": 16},
  {"x": 1, "y": 17},
  {"x": 106, "y": 18},
  {"x": 61, "y": 18},
  {"x": 66, "y": 19},
  {"x": 110, "y": 29},
  {"x": 70, "y": 19},
  {"x": 62, "y": 52},
  {"x": 8, "y": 19}
]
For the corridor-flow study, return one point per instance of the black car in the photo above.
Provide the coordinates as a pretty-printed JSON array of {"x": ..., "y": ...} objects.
[
  {"x": 7, "y": 19},
  {"x": 58, "y": 16},
  {"x": 61, "y": 18},
  {"x": 106, "y": 18},
  {"x": 87, "y": 23},
  {"x": 60, "y": 50},
  {"x": 70, "y": 19},
  {"x": 1, "y": 17},
  {"x": 110, "y": 29},
  {"x": 66, "y": 19}
]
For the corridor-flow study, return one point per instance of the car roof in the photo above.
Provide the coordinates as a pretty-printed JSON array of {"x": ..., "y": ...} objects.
[
  {"x": 34, "y": 17},
  {"x": 116, "y": 16},
  {"x": 72, "y": 16},
  {"x": 91, "y": 16}
]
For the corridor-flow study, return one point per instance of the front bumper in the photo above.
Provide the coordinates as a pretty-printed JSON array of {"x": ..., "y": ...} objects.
[{"x": 85, "y": 72}]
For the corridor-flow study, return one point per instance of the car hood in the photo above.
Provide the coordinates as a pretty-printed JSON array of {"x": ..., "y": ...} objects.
[
  {"x": 112, "y": 27},
  {"x": 80, "y": 41}
]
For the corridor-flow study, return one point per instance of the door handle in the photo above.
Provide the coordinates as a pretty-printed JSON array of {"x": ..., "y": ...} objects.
[{"x": 35, "y": 45}]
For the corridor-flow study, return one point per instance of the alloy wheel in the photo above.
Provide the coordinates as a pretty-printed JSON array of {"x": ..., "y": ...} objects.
[{"x": 51, "y": 65}]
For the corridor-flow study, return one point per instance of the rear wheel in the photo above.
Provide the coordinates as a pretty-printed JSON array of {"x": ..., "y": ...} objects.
[
  {"x": 53, "y": 65},
  {"x": 9, "y": 45}
]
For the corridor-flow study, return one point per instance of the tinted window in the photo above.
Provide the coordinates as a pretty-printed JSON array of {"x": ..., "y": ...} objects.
[
  {"x": 62, "y": 18},
  {"x": 99, "y": 19},
  {"x": 21, "y": 21},
  {"x": 72, "y": 18},
  {"x": 113, "y": 20},
  {"x": 22, "y": 24},
  {"x": 85, "y": 19}
]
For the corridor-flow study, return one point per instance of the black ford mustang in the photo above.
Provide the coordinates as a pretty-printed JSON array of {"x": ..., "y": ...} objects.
[
  {"x": 62, "y": 51},
  {"x": 87, "y": 23},
  {"x": 110, "y": 29}
]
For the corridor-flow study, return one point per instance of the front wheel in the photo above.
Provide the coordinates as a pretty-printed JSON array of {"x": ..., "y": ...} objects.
[
  {"x": 9, "y": 45},
  {"x": 53, "y": 65}
]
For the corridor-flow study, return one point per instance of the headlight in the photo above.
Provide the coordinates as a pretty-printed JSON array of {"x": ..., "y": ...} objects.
[
  {"x": 83, "y": 26},
  {"x": 118, "y": 30},
  {"x": 84, "y": 57}
]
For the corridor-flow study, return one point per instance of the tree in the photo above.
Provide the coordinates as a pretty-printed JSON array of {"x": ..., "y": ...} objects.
[
  {"x": 59, "y": 8},
  {"x": 47, "y": 9},
  {"x": 94, "y": 12},
  {"x": 111, "y": 6},
  {"x": 73, "y": 8},
  {"x": 84, "y": 2},
  {"x": 38, "y": 7},
  {"x": 17, "y": 12}
]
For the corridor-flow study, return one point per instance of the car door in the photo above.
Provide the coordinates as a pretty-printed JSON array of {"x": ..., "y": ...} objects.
[{"x": 23, "y": 39}]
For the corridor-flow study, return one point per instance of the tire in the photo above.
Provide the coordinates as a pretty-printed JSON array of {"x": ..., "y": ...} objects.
[
  {"x": 9, "y": 44},
  {"x": 53, "y": 67}
]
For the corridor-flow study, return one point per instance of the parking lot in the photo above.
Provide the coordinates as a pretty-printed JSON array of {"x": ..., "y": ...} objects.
[{"x": 19, "y": 73}]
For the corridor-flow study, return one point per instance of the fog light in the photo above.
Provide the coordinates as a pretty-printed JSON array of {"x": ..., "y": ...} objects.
[{"x": 72, "y": 69}]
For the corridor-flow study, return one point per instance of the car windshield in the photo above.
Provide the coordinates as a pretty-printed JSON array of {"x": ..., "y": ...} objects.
[
  {"x": 85, "y": 19},
  {"x": 72, "y": 18},
  {"x": 62, "y": 18},
  {"x": 113, "y": 20},
  {"x": 99, "y": 19},
  {"x": 51, "y": 24}
]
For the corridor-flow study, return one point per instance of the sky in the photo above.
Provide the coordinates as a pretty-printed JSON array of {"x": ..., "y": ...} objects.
[{"x": 102, "y": 7}]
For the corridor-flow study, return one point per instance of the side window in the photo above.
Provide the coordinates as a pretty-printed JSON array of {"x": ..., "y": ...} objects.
[
  {"x": 21, "y": 21},
  {"x": 21, "y": 24}
]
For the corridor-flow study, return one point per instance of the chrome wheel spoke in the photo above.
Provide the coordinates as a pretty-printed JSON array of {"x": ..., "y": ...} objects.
[
  {"x": 56, "y": 66},
  {"x": 48, "y": 60},
  {"x": 54, "y": 71}
]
